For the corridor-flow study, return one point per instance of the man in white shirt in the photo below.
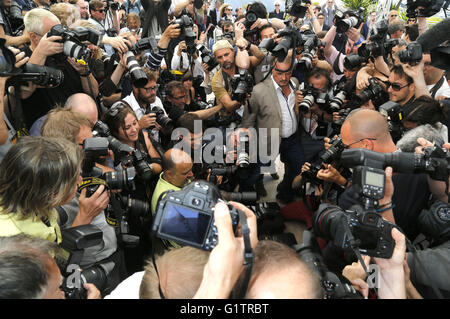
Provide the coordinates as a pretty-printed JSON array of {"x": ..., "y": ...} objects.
[
  {"x": 271, "y": 108},
  {"x": 434, "y": 78},
  {"x": 143, "y": 100}
]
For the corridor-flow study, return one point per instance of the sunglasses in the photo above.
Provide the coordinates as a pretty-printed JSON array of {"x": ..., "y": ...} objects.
[
  {"x": 114, "y": 110},
  {"x": 395, "y": 86},
  {"x": 393, "y": 15},
  {"x": 101, "y": 10}
]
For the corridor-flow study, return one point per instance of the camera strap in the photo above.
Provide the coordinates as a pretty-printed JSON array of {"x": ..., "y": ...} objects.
[
  {"x": 248, "y": 258},
  {"x": 435, "y": 88}
]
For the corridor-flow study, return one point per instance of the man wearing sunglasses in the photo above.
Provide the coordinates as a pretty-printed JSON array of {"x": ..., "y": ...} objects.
[
  {"x": 407, "y": 194},
  {"x": 272, "y": 108},
  {"x": 400, "y": 87}
]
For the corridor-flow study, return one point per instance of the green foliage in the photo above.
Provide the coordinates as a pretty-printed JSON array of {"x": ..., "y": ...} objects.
[{"x": 356, "y": 4}]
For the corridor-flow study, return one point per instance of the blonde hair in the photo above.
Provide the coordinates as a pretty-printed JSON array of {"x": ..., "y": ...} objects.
[
  {"x": 64, "y": 123},
  {"x": 86, "y": 24},
  {"x": 133, "y": 15},
  {"x": 222, "y": 9},
  {"x": 181, "y": 271},
  {"x": 34, "y": 18},
  {"x": 65, "y": 12}
]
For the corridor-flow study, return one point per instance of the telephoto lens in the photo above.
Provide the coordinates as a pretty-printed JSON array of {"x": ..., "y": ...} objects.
[
  {"x": 306, "y": 103},
  {"x": 138, "y": 77},
  {"x": 76, "y": 51}
]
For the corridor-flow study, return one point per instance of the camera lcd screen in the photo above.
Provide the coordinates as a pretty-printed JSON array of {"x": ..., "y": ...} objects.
[
  {"x": 374, "y": 179},
  {"x": 185, "y": 223}
]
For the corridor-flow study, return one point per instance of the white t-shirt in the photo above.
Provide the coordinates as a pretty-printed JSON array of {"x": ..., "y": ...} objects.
[
  {"x": 129, "y": 288},
  {"x": 443, "y": 90}
]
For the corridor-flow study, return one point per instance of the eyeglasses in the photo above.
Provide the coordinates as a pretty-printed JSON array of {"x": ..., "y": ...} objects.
[
  {"x": 366, "y": 138},
  {"x": 395, "y": 86},
  {"x": 150, "y": 89},
  {"x": 114, "y": 110},
  {"x": 179, "y": 97},
  {"x": 228, "y": 9}
]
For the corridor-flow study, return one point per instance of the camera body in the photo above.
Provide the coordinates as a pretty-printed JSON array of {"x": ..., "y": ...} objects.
[
  {"x": 393, "y": 112},
  {"x": 72, "y": 40},
  {"x": 297, "y": 8},
  {"x": 430, "y": 8},
  {"x": 187, "y": 216},
  {"x": 161, "y": 117},
  {"x": 94, "y": 148},
  {"x": 311, "y": 96},
  {"x": 207, "y": 57},
  {"x": 343, "y": 24},
  {"x": 290, "y": 38},
  {"x": 374, "y": 92},
  {"x": 187, "y": 28},
  {"x": 311, "y": 43},
  {"x": 242, "y": 84},
  {"x": 366, "y": 230},
  {"x": 74, "y": 241},
  {"x": 412, "y": 54},
  {"x": 334, "y": 151}
]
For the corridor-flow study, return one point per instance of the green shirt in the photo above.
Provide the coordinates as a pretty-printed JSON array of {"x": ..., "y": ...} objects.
[
  {"x": 11, "y": 225},
  {"x": 160, "y": 188}
]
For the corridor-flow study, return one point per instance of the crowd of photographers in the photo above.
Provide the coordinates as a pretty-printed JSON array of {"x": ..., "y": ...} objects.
[{"x": 136, "y": 137}]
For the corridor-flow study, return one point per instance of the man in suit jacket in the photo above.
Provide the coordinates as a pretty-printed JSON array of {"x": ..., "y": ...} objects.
[
  {"x": 277, "y": 13},
  {"x": 272, "y": 106}
]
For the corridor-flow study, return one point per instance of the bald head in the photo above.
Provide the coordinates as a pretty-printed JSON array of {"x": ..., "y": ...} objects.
[
  {"x": 173, "y": 157},
  {"x": 279, "y": 273},
  {"x": 177, "y": 167},
  {"x": 83, "y": 103},
  {"x": 367, "y": 124}
]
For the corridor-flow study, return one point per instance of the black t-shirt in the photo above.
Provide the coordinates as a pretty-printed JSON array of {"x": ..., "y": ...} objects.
[
  {"x": 45, "y": 99},
  {"x": 411, "y": 194}
]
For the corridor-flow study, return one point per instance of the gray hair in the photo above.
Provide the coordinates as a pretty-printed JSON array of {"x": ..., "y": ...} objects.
[
  {"x": 409, "y": 141},
  {"x": 37, "y": 175},
  {"x": 33, "y": 20},
  {"x": 24, "y": 266}
]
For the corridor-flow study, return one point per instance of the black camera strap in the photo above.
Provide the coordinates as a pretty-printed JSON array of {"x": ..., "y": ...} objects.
[
  {"x": 435, "y": 88},
  {"x": 248, "y": 255}
]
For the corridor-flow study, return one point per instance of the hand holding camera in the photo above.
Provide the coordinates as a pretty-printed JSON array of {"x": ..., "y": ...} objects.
[
  {"x": 148, "y": 120},
  {"x": 49, "y": 46},
  {"x": 226, "y": 261},
  {"x": 91, "y": 206}
]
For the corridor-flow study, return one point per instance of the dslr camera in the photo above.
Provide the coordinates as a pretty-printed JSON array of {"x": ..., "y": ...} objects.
[
  {"x": 161, "y": 118},
  {"x": 311, "y": 96},
  {"x": 393, "y": 112},
  {"x": 242, "y": 84},
  {"x": 355, "y": 228},
  {"x": 412, "y": 54},
  {"x": 297, "y": 8},
  {"x": 38, "y": 74},
  {"x": 74, "y": 241},
  {"x": 430, "y": 8},
  {"x": 187, "y": 216},
  {"x": 311, "y": 44},
  {"x": 72, "y": 40},
  {"x": 347, "y": 20},
  {"x": 375, "y": 92},
  {"x": 187, "y": 28},
  {"x": 207, "y": 57}
]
